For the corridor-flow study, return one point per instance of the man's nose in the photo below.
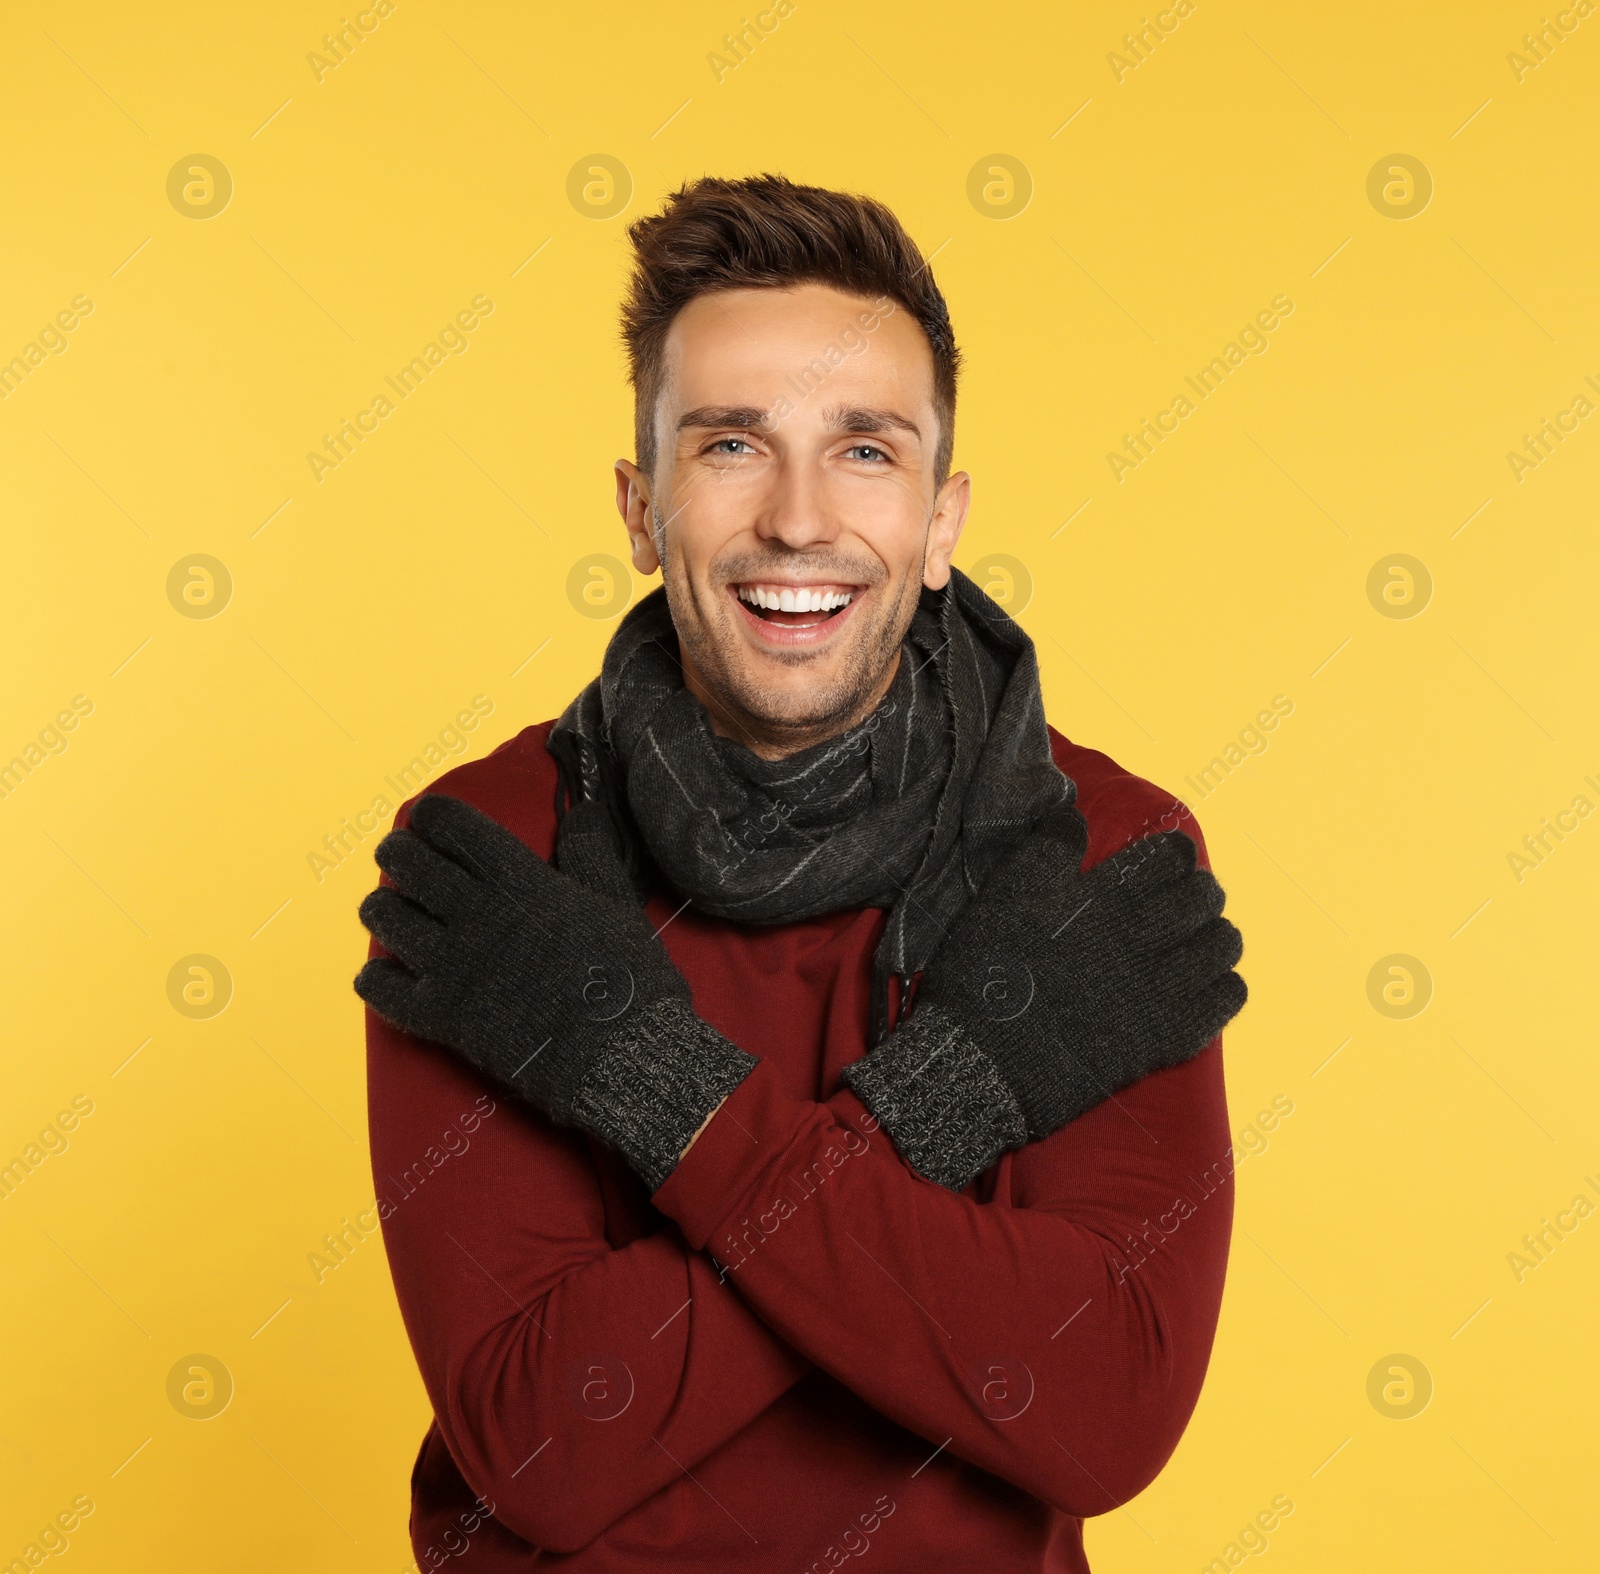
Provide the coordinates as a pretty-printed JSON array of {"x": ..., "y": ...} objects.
[{"x": 798, "y": 511}]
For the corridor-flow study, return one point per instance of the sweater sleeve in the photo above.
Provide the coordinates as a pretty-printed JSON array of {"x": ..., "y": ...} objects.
[
  {"x": 1051, "y": 1324},
  {"x": 571, "y": 1378},
  {"x": 1056, "y": 1336}
]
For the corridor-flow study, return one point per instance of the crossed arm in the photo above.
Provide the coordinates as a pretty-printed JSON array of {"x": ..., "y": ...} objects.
[{"x": 1055, "y": 1335}]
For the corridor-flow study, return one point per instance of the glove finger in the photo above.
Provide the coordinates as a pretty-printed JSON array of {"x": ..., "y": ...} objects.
[
  {"x": 444, "y": 888},
  {"x": 1202, "y": 1013},
  {"x": 1216, "y": 948},
  {"x": 1155, "y": 876},
  {"x": 480, "y": 845},
  {"x": 1178, "y": 911},
  {"x": 1049, "y": 854},
  {"x": 405, "y": 930},
  {"x": 1149, "y": 863},
  {"x": 390, "y": 990},
  {"x": 1063, "y": 827},
  {"x": 1219, "y": 1004}
]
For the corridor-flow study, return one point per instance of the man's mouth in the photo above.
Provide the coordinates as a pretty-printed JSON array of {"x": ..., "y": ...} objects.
[{"x": 780, "y": 605}]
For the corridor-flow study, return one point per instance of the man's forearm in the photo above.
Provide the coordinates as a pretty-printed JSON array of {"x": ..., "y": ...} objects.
[
  {"x": 504, "y": 1301},
  {"x": 952, "y": 1303}
]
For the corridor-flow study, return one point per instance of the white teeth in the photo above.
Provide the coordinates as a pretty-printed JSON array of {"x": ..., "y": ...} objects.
[{"x": 792, "y": 599}]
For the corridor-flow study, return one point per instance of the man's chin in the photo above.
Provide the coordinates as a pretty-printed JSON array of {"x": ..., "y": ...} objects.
[
  {"x": 794, "y": 699},
  {"x": 779, "y": 690}
]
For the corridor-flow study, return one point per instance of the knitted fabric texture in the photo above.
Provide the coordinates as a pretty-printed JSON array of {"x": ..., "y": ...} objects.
[
  {"x": 554, "y": 990},
  {"x": 1053, "y": 990},
  {"x": 909, "y": 810},
  {"x": 662, "y": 1073},
  {"x": 944, "y": 1103}
]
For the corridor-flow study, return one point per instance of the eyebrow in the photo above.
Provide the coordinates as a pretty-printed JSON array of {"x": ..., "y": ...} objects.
[
  {"x": 745, "y": 416},
  {"x": 856, "y": 419},
  {"x": 862, "y": 419}
]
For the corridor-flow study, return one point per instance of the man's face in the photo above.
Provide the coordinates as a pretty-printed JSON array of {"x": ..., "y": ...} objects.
[{"x": 794, "y": 504}]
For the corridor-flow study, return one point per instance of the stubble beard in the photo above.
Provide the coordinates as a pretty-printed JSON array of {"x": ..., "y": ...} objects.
[{"x": 773, "y": 720}]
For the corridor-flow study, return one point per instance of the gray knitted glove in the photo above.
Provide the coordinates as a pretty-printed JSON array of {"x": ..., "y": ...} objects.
[
  {"x": 563, "y": 995},
  {"x": 1052, "y": 990}
]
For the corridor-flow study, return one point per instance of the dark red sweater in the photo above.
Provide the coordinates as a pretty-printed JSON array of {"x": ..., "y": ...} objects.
[{"x": 871, "y": 1362}]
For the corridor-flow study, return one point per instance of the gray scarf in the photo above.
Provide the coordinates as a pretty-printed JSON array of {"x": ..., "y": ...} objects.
[{"x": 909, "y": 810}]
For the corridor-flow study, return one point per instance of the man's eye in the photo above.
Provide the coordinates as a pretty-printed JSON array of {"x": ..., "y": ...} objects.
[
  {"x": 731, "y": 445},
  {"x": 867, "y": 451}
]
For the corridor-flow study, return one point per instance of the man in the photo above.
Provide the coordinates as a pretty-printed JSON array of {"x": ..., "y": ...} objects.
[{"x": 836, "y": 1041}]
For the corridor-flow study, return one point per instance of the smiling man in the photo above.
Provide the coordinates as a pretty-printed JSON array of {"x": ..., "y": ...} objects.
[
  {"x": 836, "y": 1041},
  {"x": 814, "y": 527}
]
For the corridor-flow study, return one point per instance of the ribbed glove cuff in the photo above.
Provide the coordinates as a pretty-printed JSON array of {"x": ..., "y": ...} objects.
[
  {"x": 940, "y": 1097},
  {"x": 652, "y": 1087}
]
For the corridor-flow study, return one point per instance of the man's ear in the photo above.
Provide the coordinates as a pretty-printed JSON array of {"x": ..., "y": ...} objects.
[
  {"x": 633, "y": 503},
  {"x": 944, "y": 530}
]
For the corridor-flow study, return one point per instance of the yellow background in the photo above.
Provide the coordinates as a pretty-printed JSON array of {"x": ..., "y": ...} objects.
[{"x": 369, "y": 607}]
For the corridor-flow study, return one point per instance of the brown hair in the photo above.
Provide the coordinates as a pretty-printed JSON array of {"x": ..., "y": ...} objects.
[{"x": 766, "y": 231}]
